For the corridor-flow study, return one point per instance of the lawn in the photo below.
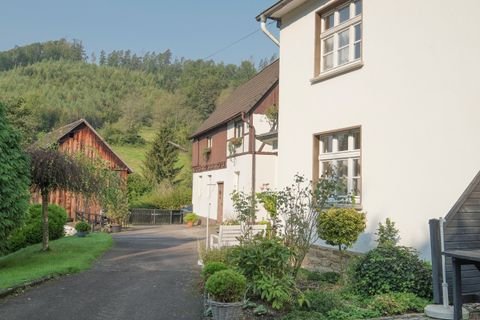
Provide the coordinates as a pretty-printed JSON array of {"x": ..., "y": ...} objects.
[{"x": 66, "y": 255}]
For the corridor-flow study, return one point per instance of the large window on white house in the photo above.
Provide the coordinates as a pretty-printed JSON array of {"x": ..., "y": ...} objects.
[
  {"x": 341, "y": 35},
  {"x": 339, "y": 155}
]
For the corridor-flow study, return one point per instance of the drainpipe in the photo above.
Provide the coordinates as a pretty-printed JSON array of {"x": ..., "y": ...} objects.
[
  {"x": 263, "y": 26},
  {"x": 252, "y": 147},
  {"x": 444, "y": 270}
]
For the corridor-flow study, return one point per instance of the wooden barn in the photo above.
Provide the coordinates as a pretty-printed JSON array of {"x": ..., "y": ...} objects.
[{"x": 80, "y": 136}]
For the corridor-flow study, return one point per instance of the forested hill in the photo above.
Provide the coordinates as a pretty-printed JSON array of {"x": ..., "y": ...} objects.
[{"x": 46, "y": 85}]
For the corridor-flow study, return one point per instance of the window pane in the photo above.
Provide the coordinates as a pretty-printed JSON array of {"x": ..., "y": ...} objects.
[
  {"x": 343, "y": 38},
  {"x": 344, "y": 13},
  {"x": 327, "y": 168},
  {"x": 358, "y": 32},
  {"x": 342, "y": 141},
  {"x": 342, "y": 168},
  {"x": 329, "y": 21},
  {"x": 327, "y": 144},
  {"x": 356, "y": 187},
  {"x": 356, "y": 168},
  {"x": 328, "y": 45},
  {"x": 358, "y": 7},
  {"x": 328, "y": 61},
  {"x": 343, "y": 56},
  {"x": 356, "y": 140},
  {"x": 358, "y": 50}
]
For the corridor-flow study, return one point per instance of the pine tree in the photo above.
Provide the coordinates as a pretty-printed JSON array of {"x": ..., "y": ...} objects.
[
  {"x": 161, "y": 160},
  {"x": 103, "y": 58}
]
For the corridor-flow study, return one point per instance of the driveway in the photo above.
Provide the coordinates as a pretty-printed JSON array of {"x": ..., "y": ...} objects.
[{"x": 150, "y": 273}]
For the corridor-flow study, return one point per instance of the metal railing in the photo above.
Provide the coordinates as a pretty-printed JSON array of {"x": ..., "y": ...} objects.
[{"x": 155, "y": 216}]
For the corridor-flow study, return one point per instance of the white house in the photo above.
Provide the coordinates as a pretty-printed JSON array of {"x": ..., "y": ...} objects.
[
  {"x": 235, "y": 149},
  {"x": 387, "y": 92}
]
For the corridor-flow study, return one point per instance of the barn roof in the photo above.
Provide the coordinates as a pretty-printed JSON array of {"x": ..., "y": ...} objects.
[
  {"x": 57, "y": 135},
  {"x": 243, "y": 99}
]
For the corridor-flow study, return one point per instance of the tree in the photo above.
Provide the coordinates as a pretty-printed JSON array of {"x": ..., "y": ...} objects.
[
  {"x": 387, "y": 234},
  {"x": 161, "y": 160},
  {"x": 14, "y": 179},
  {"x": 53, "y": 170}
]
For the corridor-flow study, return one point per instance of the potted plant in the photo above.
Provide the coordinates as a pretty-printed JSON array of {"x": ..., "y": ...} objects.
[
  {"x": 82, "y": 229},
  {"x": 190, "y": 219},
  {"x": 226, "y": 291}
]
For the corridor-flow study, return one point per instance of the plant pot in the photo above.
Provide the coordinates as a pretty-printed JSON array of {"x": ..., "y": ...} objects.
[
  {"x": 82, "y": 234},
  {"x": 190, "y": 224},
  {"x": 116, "y": 228},
  {"x": 226, "y": 311}
]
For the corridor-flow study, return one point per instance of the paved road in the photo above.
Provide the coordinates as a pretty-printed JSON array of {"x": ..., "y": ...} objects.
[{"x": 150, "y": 273}]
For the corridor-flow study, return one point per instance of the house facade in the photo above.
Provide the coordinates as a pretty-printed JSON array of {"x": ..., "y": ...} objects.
[
  {"x": 235, "y": 149},
  {"x": 385, "y": 93},
  {"x": 80, "y": 137}
]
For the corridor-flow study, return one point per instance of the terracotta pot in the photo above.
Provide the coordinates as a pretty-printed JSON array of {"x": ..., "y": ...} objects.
[{"x": 190, "y": 224}]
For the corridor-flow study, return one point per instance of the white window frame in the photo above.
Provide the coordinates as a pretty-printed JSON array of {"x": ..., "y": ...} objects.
[
  {"x": 334, "y": 32},
  {"x": 350, "y": 155},
  {"x": 209, "y": 142},
  {"x": 238, "y": 131}
]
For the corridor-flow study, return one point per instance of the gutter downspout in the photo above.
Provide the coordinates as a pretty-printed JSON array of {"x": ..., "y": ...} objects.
[
  {"x": 263, "y": 26},
  {"x": 251, "y": 142}
]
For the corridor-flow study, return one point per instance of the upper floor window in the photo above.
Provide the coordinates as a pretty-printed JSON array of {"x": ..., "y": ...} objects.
[
  {"x": 340, "y": 38},
  {"x": 238, "y": 129},
  {"x": 209, "y": 142},
  {"x": 339, "y": 155}
]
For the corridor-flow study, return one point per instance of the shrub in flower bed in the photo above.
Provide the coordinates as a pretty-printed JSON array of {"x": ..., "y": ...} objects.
[
  {"x": 215, "y": 255},
  {"x": 397, "y": 303},
  {"x": 212, "y": 267}
]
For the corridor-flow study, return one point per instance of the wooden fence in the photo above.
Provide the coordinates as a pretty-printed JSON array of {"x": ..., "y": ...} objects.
[{"x": 155, "y": 216}]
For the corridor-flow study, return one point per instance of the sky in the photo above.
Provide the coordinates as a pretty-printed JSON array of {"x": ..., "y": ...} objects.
[{"x": 193, "y": 29}]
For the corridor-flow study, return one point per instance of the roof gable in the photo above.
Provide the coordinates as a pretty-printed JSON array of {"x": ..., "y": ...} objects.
[
  {"x": 57, "y": 135},
  {"x": 472, "y": 187},
  {"x": 243, "y": 99}
]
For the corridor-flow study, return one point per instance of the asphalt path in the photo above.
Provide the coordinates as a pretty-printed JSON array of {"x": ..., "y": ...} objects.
[{"x": 150, "y": 273}]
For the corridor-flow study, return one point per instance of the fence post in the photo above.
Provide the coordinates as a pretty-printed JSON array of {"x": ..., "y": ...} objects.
[
  {"x": 436, "y": 260},
  {"x": 171, "y": 216},
  {"x": 154, "y": 216}
]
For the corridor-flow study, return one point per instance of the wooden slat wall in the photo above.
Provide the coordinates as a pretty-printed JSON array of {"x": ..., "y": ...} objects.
[
  {"x": 462, "y": 231},
  {"x": 86, "y": 141},
  {"x": 219, "y": 148}
]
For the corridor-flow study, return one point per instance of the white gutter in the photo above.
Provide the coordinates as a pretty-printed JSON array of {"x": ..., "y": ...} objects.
[{"x": 263, "y": 26}]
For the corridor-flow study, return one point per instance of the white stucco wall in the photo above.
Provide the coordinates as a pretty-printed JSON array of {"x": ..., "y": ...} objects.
[{"x": 416, "y": 99}]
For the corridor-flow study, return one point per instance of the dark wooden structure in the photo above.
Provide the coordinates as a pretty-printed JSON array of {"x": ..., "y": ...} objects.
[
  {"x": 80, "y": 137},
  {"x": 462, "y": 234}
]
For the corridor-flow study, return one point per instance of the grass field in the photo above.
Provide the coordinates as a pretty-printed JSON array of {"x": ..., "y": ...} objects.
[{"x": 66, "y": 255}]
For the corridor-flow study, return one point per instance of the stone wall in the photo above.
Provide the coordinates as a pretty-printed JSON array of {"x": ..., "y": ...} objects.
[{"x": 326, "y": 259}]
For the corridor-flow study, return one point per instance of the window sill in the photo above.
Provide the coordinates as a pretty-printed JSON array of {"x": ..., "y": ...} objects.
[{"x": 337, "y": 72}]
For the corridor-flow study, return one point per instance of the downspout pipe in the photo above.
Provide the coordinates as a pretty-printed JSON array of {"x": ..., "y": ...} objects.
[
  {"x": 252, "y": 140},
  {"x": 263, "y": 26}
]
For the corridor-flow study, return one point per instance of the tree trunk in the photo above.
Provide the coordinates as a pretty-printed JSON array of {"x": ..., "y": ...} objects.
[{"x": 45, "y": 220}]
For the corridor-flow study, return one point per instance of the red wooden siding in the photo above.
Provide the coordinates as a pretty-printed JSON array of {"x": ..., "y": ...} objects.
[
  {"x": 218, "y": 156},
  {"x": 270, "y": 98},
  {"x": 84, "y": 140}
]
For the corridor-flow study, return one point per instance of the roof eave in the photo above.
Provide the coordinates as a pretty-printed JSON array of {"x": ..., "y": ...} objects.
[{"x": 268, "y": 13}]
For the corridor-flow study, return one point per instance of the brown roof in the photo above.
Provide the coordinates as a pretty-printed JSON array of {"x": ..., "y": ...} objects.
[
  {"x": 57, "y": 135},
  {"x": 243, "y": 99}
]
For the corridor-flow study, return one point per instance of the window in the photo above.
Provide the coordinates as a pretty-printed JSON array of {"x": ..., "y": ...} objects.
[
  {"x": 209, "y": 142},
  {"x": 340, "y": 37},
  {"x": 339, "y": 154},
  {"x": 238, "y": 127}
]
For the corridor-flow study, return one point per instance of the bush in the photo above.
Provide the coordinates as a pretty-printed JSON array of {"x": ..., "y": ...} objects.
[
  {"x": 191, "y": 217},
  {"x": 32, "y": 231},
  {"x": 397, "y": 303},
  {"x": 260, "y": 256},
  {"x": 341, "y": 226},
  {"x": 216, "y": 255},
  {"x": 165, "y": 197},
  {"x": 226, "y": 286},
  {"x": 352, "y": 313},
  {"x": 82, "y": 226},
  {"x": 212, "y": 267},
  {"x": 392, "y": 269},
  {"x": 323, "y": 301},
  {"x": 276, "y": 291}
]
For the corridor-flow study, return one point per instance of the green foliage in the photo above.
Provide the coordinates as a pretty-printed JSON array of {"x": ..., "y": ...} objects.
[
  {"x": 272, "y": 116},
  {"x": 36, "y": 52},
  {"x": 137, "y": 186},
  {"x": 273, "y": 289},
  {"x": 161, "y": 160},
  {"x": 304, "y": 315},
  {"x": 323, "y": 301},
  {"x": 387, "y": 233},
  {"x": 226, "y": 286},
  {"x": 261, "y": 256},
  {"x": 82, "y": 226},
  {"x": 212, "y": 267},
  {"x": 216, "y": 255},
  {"x": 32, "y": 231},
  {"x": 245, "y": 206},
  {"x": 14, "y": 179},
  {"x": 341, "y": 226},
  {"x": 165, "y": 196},
  {"x": 191, "y": 217},
  {"x": 326, "y": 277},
  {"x": 397, "y": 303},
  {"x": 392, "y": 269},
  {"x": 352, "y": 313}
]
